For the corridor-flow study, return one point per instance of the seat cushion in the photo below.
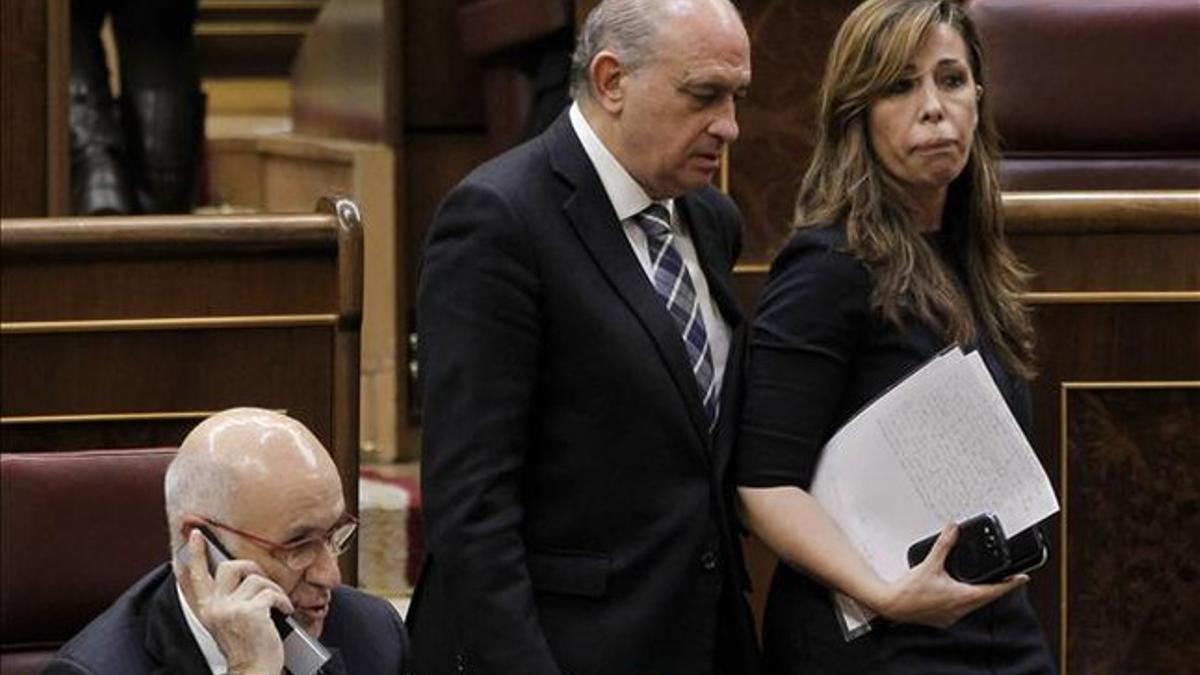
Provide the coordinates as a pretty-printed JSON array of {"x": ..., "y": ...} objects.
[
  {"x": 1094, "y": 95},
  {"x": 76, "y": 529}
]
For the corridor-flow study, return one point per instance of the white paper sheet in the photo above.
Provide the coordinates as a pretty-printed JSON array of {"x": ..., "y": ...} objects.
[{"x": 940, "y": 446}]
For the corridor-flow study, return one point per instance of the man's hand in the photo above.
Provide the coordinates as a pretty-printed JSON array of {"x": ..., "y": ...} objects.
[
  {"x": 928, "y": 595},
  {"x": 235, "y": 607}
]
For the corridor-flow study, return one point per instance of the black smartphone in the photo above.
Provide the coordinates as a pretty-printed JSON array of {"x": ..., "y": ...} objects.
[
  {"x": 980, "y": 555},
  {"x": 1028, "y": 551},
  {"x": 302, "y": 653}
]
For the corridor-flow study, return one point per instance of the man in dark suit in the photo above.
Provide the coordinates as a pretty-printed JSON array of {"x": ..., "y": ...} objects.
[
  {"x": 576, "y": 322},
  {"x": 266, "y": 489}
]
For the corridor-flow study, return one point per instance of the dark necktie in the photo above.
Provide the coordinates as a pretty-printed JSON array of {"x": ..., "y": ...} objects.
[{"x": 674, "y": 286}]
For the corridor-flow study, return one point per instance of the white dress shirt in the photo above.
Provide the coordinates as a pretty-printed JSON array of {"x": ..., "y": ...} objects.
[
  {"x": 629, "y": 199},
  {"x": 208, "y": 646}
]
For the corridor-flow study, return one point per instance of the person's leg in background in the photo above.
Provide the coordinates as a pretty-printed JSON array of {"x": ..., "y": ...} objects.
[
  {"x": 99, "y": 173},
  {"x": 162, "y": 108}
]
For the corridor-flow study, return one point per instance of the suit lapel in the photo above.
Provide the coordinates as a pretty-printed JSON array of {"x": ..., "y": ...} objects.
[
  {"x": 591, "y": 215},
  {"x": 168, "y": 639},
  {"x": 709, "y": 251},
  {"x": 335, "y": 665}
]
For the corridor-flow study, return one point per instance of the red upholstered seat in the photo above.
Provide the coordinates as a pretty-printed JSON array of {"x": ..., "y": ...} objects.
[
  {"x": 1095, "y": 95},
  {"x": 76, "y": 530}
]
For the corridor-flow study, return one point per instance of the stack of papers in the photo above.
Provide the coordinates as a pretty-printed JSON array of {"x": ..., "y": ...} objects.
[{"x": 939, "y": 446}]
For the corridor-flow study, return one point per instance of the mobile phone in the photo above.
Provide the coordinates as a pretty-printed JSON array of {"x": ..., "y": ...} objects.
[
  {"x": 1028, "y": 551},
  {"x": 980, "y": 555},
  {"x": 302, "y": 653}
]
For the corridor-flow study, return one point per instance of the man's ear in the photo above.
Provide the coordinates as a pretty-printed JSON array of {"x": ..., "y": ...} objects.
[
  {"x": 189, "y": 523},
  {"x": 608, "y": 80}
]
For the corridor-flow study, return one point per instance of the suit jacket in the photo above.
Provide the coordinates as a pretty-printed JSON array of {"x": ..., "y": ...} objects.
[
  {"x": 577, "y": 513},
  {"x": 145, "y": 632}
]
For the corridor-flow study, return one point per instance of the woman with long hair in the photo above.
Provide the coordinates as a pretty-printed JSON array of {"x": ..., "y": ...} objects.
[{"x": 898, "y": 252}]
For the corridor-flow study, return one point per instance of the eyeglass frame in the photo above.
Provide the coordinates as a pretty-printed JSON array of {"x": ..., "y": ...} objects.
[{"x": 281, "y": 551}]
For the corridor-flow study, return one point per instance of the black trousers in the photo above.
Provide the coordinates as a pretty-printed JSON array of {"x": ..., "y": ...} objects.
[
  {"x": 735, "y": 652},
  {"x": 154, "y": 42}
]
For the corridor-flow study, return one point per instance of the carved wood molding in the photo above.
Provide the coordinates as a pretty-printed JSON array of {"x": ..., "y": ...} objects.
[{"x": 1140, "y": 212}]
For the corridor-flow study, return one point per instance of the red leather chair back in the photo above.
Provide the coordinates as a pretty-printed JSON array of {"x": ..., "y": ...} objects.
[
  {"x": 1094, "y": 95},
  {"x": 76, "y": 530}
]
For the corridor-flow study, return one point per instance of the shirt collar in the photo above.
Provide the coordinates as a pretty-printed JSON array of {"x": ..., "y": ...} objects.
[
  {"x": 626, "y": 195},
  {"x": 208, "y": 646}
]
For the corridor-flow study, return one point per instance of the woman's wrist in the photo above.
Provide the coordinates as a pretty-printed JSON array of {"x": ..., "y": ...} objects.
[{"x": 878, "y": 596}]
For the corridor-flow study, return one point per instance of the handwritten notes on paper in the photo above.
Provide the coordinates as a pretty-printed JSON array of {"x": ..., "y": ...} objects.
[{"x": 941, "y": 445}]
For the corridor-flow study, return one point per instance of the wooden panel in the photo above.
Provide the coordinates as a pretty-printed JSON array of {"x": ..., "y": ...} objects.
[
  {"x": 1132, "y": 487},
  {"x": 235, "y": 38},
  {"x": 33, "y": 143},
  {"x": 234, "y": 173},
  {"x": 248, "y": 101},
  {"x": 1113, "y": 262},
  {"x": 23, "y": 107},
  {"x": 489, "y": 27},
  {"x": 442, "y": 88},
  {"x": 281, "y": 173},
  {"x": 284, "y": 367},
  {"x": 289, "y": 182},
  {"x": 107, "y": 288},
  {"x": 1099, "y": 342},
  {"x": 1107, "y": 241},
  {"x": 170, "y": 235},
  {"x": 789, "y": 41},
  {"x": 444, "y": 137},
  {"x": 1142, "y": 241},
  {"x": 438, "y": 162},
  {"x": 166, "y": 317},
  {"x": 345, "y": 82},
  {"x": 1101, "y": 211}
]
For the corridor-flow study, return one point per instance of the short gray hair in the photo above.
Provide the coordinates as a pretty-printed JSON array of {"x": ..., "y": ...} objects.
[
  {"x": 624, "y": 27},
  {"x": 196, "y": 483}
]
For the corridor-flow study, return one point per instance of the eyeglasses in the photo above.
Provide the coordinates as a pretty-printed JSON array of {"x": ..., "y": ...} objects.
[{"x": 301, "y": 554}]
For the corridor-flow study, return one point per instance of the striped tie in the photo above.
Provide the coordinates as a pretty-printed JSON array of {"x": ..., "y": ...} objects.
[{"x": 674, "y": 286}]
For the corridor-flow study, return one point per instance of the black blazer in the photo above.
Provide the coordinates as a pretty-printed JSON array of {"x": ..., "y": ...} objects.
[
  {"x": 145, "y": 632},
  {"x": 576, "y": 507}
]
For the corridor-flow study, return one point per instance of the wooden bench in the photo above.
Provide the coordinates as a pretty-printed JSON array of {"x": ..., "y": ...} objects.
[{"x": 125, "y": 332}]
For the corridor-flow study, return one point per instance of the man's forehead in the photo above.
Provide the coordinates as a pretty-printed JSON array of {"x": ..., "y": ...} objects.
[
  {"x": 705, "y": 45},
  {"x": 669, "y": 12},
  {"x": 313, "y": 521},
  {"x": 716, "y": 74},
  {"x": 287, "y": 506}
]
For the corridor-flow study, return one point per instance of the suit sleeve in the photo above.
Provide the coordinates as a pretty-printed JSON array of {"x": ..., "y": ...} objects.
[
  {"x": 734, "y": 228},
  {"x": 61, "y": 666},
  {"x": 402, "y": 637},
  {"x": 479, "y": 321}
]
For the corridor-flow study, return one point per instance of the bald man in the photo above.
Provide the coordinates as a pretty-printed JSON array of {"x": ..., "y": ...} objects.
[
  {"x": 267, "y": 490},
  {"x": 579, "y": 348}
]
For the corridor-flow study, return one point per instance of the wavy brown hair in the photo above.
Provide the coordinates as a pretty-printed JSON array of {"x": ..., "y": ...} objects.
[{"x": 846, "y": 183}]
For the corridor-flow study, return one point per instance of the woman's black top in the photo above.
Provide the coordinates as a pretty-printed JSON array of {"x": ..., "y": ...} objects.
[{"x": 818, "y": 354}]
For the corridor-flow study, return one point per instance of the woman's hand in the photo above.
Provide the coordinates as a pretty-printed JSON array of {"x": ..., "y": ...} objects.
[
  {"x": 801, "y": 533},
  {"x": 928, "y": 595}
]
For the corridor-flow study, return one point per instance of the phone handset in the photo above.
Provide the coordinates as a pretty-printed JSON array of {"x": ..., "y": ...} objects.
[{"x": 302, "y": 653}]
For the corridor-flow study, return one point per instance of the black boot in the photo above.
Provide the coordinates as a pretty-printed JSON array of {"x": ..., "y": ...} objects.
[
  {"x": 165, "y": 128},
  {"x": 99, "y": 181}
]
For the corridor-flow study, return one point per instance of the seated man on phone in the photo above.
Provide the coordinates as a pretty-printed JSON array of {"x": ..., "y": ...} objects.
[{"x": 266, "y": 489}]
